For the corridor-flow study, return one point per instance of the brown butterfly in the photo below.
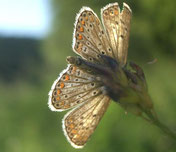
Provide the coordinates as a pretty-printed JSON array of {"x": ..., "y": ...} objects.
[{"x": 102, "y": 48}]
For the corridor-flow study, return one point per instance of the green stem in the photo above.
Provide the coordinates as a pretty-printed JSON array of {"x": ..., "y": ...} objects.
[{"x": 154, "y": 120}]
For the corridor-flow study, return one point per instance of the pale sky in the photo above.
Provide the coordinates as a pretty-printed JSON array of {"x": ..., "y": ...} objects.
[{"x": 24, "y": 18}]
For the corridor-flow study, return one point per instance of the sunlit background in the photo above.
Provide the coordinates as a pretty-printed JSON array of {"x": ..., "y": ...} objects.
[
  {"x": 29, "y": 18},
  {"x": 36, "y": 37}
]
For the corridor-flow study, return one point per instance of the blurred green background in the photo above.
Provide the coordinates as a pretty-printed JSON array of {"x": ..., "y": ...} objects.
[{"x": 28, "y": 67}]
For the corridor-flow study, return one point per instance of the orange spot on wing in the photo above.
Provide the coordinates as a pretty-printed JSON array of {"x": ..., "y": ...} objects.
[
  {"x": 86, "y": 18},
  {"x": 80, "y": 37},
  {"x": 62, "y": 85},
  {"x": 58, "y": 98},
  {"x": 74, "y": 131},
  {"x": 58, "y": 91},
  {"x": 67, "y": 78},
  {"x": 71, "y": 126},
  {"x": 83, "y": 22},
  {"x": 81, "y": 29},
  {"x": 116, "y": 12}
]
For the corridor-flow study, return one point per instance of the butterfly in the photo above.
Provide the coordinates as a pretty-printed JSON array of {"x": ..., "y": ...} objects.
[{"x": 101, "y": 47}]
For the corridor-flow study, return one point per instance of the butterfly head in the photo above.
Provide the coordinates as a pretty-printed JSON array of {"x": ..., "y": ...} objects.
[{"x": 74, "y": 60}]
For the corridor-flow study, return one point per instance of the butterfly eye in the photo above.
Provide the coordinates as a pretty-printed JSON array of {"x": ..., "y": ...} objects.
[{"x": 78, "y": 61}]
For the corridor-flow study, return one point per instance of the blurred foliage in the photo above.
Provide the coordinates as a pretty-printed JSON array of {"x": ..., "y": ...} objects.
[
  {"x": 20, "y": 57},
  {"x": 28, "y": 125}
]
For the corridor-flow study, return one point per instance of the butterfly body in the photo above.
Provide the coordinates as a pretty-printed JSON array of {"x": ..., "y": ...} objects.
[{"x": 108, "y": 72}]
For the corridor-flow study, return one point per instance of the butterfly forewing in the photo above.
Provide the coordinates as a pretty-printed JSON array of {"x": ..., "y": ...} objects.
[
  {"x": 89, "y": 38},
  {"x": 117, "y": 26},
  {"x": 79, "y": 124},
  {"x": 73, "y": 87}
]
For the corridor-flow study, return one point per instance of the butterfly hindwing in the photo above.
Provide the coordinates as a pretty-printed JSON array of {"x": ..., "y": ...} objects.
[{"x": 80, "y": 123}]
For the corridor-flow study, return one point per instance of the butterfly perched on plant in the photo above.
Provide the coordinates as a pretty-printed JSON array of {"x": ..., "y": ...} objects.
[{"x": 90, "y": 81}]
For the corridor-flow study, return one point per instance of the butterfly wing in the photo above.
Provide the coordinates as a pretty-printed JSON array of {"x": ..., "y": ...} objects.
[
  {"x": 89, "y": 38},
  {"x": 73, "y": 87},
  {"x": 80, "y": 123},
  {"x": 117, "y": 26}
]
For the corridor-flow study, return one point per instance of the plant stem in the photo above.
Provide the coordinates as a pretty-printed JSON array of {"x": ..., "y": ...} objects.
[{"x": 154, "y": 120}]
